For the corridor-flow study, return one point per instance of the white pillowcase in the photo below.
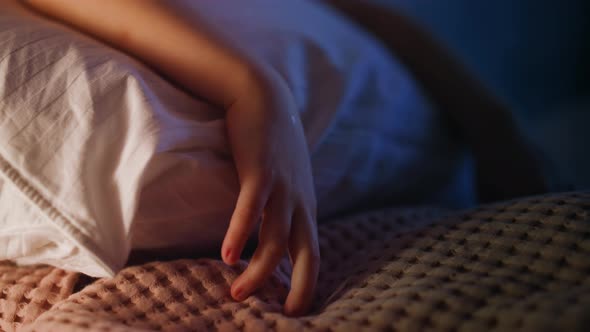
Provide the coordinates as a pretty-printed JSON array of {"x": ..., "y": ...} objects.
[{"x": 99, "y": 155}]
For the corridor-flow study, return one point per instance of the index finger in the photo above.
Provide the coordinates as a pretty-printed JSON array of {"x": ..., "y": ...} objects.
[{"x": 249, "y": 208}]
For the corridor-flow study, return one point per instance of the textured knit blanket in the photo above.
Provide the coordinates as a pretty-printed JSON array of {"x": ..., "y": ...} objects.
[{"x": 521, "y": 265}]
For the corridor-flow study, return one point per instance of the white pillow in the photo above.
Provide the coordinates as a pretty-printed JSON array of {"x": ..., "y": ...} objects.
[{"x": 99, "y": 155}]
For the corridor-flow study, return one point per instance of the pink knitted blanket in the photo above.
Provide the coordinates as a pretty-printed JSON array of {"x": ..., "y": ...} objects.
[{"x": 521, "y": 265}]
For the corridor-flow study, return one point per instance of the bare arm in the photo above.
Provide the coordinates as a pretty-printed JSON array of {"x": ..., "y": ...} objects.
[
  {"x": 157, "y": 33},
  {"x": 267, "y": 140}
]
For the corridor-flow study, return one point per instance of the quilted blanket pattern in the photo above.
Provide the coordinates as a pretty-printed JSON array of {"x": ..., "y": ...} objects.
[{"x": 520, "y": 265}]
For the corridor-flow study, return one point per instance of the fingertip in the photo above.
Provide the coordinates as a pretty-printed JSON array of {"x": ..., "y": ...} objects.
[
  {"x": 241, "y": 227},
  {"x": 238, "y": 294},
  {"x": 238, "y": 291},
  {"x": 231, "y": 249},
  {"x": 294, "y": 308},
  {"x": 230, "y": 256},
  {"x": 306, "y": 264},
  {"x": 298, "y": 302}
]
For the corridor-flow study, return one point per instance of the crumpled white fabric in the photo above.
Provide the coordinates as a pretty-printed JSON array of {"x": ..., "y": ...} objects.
[{"x": 99, "y": 155}]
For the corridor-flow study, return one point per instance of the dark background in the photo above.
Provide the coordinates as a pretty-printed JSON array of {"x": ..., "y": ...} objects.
[{"x": 535, "y": 54}]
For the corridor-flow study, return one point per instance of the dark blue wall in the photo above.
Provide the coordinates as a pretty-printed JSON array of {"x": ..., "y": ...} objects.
[
  {"x": 536, "y": 55},
  {"x": 529, "y": 51}
]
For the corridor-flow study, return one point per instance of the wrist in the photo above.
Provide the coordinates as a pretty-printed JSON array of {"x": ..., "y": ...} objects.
[{"x": 263, "y": 86}]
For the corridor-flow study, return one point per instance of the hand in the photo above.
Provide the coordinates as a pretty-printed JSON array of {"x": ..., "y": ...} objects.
[
  {"x": 276, "y": 185},
  {"x": 263, "y": 128}
]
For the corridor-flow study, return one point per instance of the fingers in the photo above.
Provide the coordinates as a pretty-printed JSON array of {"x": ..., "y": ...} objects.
[
  {"x": 304, "y": 251},
  {"x": 249, "y": 208},
  {"x": 272, "y": 246}
]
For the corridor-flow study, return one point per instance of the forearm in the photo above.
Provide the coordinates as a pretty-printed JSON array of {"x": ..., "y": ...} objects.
[{"x": 157, "y": 33}]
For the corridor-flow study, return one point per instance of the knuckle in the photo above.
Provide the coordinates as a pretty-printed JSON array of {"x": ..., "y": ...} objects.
[
  {"x": 264, "y": 177},
  {"x": 258, "y": 199},
  {"x": 247, "y": 216},
  {"x": 255, "y": 187},
  {"x": 281, "y": 189}
]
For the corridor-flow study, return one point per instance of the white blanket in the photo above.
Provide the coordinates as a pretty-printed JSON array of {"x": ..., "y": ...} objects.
[{"x": 99, "y": 155}]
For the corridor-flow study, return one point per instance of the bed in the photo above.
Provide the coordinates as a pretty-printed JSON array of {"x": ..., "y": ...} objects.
[
  {"x": 514, "y": 266},
  {"x": 100, "y": 157}
]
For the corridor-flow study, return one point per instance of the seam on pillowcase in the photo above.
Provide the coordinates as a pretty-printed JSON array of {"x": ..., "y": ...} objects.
[{"x": 55, "y": 216}]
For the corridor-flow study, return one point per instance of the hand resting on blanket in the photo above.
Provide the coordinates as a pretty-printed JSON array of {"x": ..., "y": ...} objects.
[
  {"x": 264, "y": 129},
  {"x": 265, "y": 135}
]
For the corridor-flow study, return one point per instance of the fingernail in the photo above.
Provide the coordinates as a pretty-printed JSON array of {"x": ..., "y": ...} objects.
[
  {"x": 290, "y": 312},
  {"x": 227, "y": 254},
  {"x": 239, "y": 293}
]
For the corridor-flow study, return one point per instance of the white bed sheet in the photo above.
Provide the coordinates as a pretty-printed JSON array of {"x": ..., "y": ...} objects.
[{"x": 100, "y": 155}]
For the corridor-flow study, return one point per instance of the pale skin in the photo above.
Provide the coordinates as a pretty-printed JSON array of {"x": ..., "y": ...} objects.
[
  {"x": 266, "y": 136},
  {"x": 276, "y": 195}
]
